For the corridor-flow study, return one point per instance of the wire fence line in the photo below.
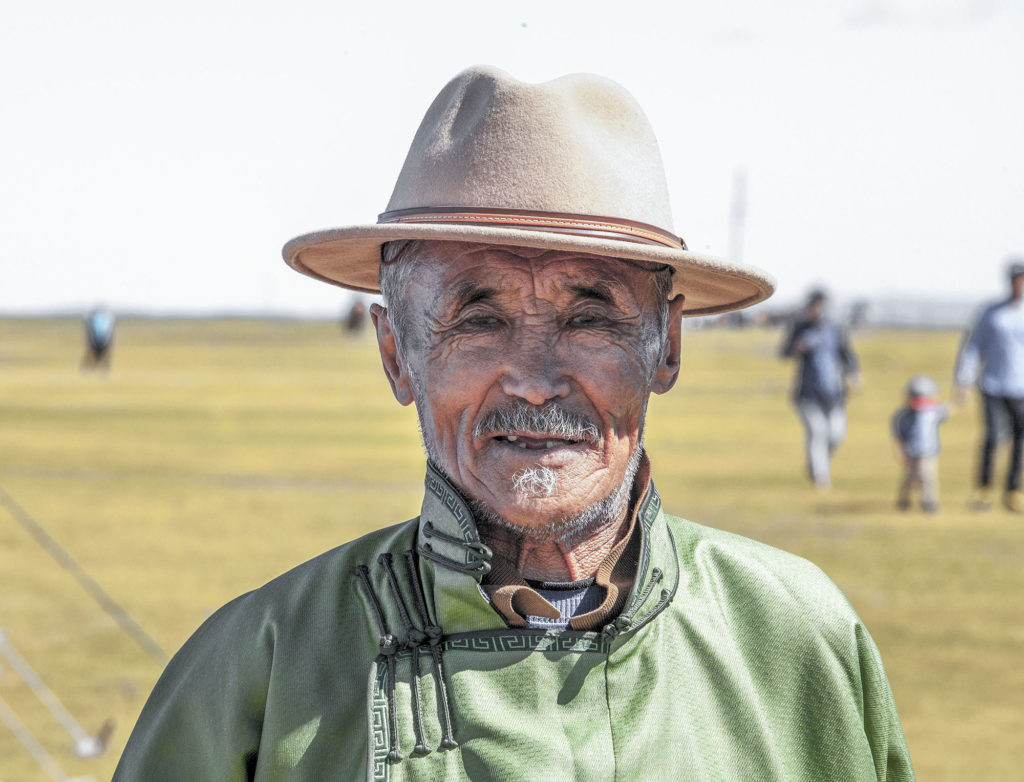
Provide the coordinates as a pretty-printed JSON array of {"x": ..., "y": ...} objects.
[
  {"x": 86, "y": 746},
  {"x": 30, "y": 743},
  {"x": 87, "y": 582}
]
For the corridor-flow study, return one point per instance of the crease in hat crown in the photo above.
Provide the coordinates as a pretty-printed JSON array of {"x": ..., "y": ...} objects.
[
  {"x": 569, "y": 164},
  {"x": 577, "y": 145}
]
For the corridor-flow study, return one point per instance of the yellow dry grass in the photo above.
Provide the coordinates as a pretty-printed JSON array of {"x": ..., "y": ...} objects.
[{"x": 217, "y": 454}]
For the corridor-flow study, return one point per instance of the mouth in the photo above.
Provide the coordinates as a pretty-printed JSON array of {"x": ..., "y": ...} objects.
[{"x": 535, "y": 442}]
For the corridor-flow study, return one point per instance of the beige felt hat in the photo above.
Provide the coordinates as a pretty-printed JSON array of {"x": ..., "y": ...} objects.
[{"x": 571, "y": 164}]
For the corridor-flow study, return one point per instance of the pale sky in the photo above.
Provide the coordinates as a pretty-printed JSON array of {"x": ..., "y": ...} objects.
[{"x": 156, "y": 155}]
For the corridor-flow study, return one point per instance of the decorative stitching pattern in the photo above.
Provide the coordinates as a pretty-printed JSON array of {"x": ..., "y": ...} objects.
[
  {"x": 381, "y": 766},
  {"x": 530, "y": 642},
  {"x": 651, "y": 511},
  {"x": 521, "y": 641},
  {"x": 648, "y": 513},
  {"x": 453, "y": 504}
]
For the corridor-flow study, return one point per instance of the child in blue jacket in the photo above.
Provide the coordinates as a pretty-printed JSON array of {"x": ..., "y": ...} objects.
[{"x": 916, "y": 428}]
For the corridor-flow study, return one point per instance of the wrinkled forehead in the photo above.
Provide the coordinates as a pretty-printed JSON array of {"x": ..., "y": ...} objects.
[{"x": 451, "y": 269}]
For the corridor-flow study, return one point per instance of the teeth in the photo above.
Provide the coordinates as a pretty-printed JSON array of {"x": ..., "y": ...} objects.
[{"x": 547, "y": 444}]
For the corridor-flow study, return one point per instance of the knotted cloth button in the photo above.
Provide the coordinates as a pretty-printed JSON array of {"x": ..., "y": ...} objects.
[{"x": 388, "y": 644}]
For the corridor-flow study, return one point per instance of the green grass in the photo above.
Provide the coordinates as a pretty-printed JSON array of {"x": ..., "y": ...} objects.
[{"x": 217, "y": 454}]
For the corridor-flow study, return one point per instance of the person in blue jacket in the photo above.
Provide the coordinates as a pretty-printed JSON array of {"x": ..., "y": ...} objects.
[
  {"x": 992, "y": 356},
  {"x": 827, "y": 367},
  {"x": 99, "y": 338}
]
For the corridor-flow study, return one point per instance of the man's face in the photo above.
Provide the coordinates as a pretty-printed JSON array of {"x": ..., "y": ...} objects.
[
  {"x": 496, "y": 331},
  {"x": 1017, "y": 285}
]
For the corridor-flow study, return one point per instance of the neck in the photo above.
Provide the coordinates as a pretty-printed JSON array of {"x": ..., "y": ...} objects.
[{"x": 570, "y": 559}]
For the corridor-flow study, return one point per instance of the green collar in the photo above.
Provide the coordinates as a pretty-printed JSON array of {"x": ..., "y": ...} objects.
[{"x": 453, "y": 560}]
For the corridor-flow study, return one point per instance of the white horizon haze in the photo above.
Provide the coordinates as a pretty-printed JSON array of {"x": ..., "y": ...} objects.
[{"x": 155, "y": 157}]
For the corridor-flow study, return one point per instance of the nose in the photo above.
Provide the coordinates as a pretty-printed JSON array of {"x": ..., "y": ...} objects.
[{"x": 535, "y": 374}]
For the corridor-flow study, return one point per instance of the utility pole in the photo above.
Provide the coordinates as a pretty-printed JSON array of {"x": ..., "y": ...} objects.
[{"x": 738, "y": 215}]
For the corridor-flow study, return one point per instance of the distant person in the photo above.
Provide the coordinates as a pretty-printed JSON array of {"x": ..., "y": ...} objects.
[
  {"x": 994, "y": 349},
  {"x": 827, "y": 367},
  {"x": 916, "y": 429},
  {"x": 99, "y": 338},
  {"x": 356, "y": 319}
]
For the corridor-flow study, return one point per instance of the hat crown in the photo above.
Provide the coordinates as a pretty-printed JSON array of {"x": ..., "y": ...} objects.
[{"x": 579, "y": 144}]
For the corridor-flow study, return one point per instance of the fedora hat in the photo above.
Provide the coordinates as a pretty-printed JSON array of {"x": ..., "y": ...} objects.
[{"x": 571, "y": 164}]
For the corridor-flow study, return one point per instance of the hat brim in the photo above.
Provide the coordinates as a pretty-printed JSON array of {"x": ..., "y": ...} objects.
[{"x": 350, "y": 258}]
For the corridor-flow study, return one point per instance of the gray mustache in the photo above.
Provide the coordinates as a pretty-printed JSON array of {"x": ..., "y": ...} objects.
[{"x": 550, "y": 420}]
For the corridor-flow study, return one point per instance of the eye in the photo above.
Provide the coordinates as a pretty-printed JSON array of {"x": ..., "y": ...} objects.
[
  {"x": 587, "y": 319},
  {"x": 480, "y": 321}
]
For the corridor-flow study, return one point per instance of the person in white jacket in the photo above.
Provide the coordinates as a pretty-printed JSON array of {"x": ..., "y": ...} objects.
[{"x": 992, "y": 355}]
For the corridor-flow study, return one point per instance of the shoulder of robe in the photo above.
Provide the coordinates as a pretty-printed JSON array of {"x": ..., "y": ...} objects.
[
  {"x": 750, "y": 580},
  {"x": 318, "y": 593}
]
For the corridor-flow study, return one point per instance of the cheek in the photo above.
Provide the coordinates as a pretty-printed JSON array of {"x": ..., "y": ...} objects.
[
  {"x": 617, "y": 376},
  {"x": 455, "y": 381},
  {"x": 456, "y": 370}
]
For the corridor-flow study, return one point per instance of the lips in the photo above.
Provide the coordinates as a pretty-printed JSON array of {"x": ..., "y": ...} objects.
[{"x": 534, "y": 442}]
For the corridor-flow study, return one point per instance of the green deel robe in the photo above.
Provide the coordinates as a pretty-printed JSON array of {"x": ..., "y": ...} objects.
[{"x": 732, "y": 660}]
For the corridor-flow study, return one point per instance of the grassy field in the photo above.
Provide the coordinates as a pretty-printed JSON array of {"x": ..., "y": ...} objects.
[{"x": 215, "y": 455}]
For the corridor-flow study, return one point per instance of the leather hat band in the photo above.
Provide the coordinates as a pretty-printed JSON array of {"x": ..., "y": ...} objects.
[{"x": 553, "y": 222}]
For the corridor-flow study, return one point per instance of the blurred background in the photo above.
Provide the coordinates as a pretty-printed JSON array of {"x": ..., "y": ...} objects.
[{"x": 154, "y": 158}]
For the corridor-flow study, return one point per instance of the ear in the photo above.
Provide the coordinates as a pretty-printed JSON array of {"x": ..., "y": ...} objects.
[
  {"x": 398, "y": 377},
  {"x": 668, "y": 368}
]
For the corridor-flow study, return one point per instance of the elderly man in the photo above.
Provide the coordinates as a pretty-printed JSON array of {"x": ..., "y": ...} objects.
[{"x": 542, "y": 618}]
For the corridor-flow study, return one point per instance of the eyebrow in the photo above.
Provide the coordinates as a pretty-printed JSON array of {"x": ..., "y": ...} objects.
[
  {"x": 599, "y": 291},
  {"x": 470, "y": 292}
]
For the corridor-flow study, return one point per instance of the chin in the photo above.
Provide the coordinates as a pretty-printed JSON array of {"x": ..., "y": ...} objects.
[
  {"x": 533, "y": 512},
  {"x": 529, "y": 509}
]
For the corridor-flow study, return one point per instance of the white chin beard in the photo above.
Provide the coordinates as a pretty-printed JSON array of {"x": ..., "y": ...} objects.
[
  {"x": 568, "y": 528},
  {"x": 535, "y": 482}
]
